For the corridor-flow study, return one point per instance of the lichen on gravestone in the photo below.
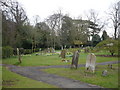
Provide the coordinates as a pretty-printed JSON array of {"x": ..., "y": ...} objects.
[
  {"x": 90, "y": 62},
  {"x": 75, "y": 58}
]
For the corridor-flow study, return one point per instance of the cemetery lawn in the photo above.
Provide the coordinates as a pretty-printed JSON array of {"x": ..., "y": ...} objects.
[
  {"x": 13, "y": 80},
  {"x": 0, "y": 77},
  {"x": 42, "y": 60},
  {"x": 110, "y": 81}
]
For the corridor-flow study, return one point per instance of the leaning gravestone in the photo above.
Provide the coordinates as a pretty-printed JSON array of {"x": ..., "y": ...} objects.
[
  {"x": 63, "y": 53},
  {"x": 90, "y": 62},
  {"x": 75, "y": 58}
]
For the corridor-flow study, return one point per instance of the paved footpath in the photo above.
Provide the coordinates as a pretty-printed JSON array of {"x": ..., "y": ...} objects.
[{"x": 59, "y": 81}]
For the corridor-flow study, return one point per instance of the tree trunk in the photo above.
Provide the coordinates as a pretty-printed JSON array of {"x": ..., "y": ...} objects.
[{"x": 115, "y": 33}]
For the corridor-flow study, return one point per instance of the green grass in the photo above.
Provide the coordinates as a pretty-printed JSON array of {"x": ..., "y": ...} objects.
[
  {"x": 110, "y": 81},
  {"x": 13, "y": 80},
  {"x": 42, "y": 60},
  {"x": 0, "y": 77}
]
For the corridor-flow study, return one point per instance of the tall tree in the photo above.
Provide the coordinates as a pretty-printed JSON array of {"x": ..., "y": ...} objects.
[
  {"x": 95, "y": 40},
  {"x": 114, "y": 12},
  {"x": 54, "y": 22},
  {"x": 15, "y": 14},
  {"x": 94, "y": 22},
  {"x": 67, "y": 33},
  {"x": 43, "y": 34},
  {"x": 104, "y": 35}
]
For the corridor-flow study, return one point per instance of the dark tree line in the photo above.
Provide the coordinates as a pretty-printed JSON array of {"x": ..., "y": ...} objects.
[{"x": 57, "y": 31}]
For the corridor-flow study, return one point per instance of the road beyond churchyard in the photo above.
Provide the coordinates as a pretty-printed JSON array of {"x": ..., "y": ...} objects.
[{"x": 59, "y": 81}]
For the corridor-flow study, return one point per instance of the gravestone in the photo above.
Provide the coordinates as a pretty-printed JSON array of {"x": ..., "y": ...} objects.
[
  {"x": 110, "y": 66},
  {"x": 61, "y": 47},
  {"x": 104, "y": 73},
  {"x": 63, "y": 53},
  {"x": 52, "y": 50},
  {"x": 87, "y": 49},
  {"x": 90, "y": 62},
  {"x": 19, "y": 55},
  {"x": 39, "y": 49},
  {"x": 75, "y": 58},
  {"x": 48, "y": 50}
]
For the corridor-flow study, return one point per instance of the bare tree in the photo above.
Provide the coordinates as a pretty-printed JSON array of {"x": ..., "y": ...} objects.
[
  {"x": 114, "y": 12},
  {"x": 34, "y": 32},
  {"x": 119, "y": 20},
  {"x": 15, "y": 13},
  {"x": 54, "y": 22},
  {"x": 95, "y": 23}
]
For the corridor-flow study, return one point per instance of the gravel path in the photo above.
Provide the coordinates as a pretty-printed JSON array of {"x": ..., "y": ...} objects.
[{"x": 59, "y": 81}]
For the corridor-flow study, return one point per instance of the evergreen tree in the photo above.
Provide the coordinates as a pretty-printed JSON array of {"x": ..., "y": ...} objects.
[
  {"x": 104, "y": 35},
  {"x": 95, "y": 40}
]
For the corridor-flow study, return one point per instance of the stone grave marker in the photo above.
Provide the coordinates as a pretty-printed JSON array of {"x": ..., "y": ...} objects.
[
  {"x": 19, "y": 55},
  {"x": 110, "y": 66},
  {"x": 104, "y": 73},
  {"x": 75, "y": 58},
  {"x": 48, "y": 50},
  {"x": 63, "y": 53},
  {"x": 90, "y": 62},
  {"x": 52, "y": 50}
]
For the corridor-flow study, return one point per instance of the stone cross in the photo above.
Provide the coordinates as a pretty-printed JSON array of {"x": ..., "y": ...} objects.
[
  {"x": 90, "y": 62},
  {"x": 75, "y": 58}
]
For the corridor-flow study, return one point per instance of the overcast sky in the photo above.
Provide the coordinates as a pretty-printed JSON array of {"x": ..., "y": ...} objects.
[{"x": 75, "y": 8}]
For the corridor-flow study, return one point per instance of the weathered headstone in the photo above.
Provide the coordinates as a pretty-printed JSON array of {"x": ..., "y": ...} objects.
[
  {"x": 65, "y": 60},
  {"x": 61, "y": 47},
  {"x": 104, "y": 73},
  {"x": 90, "y": 62},
  {"x": 63, "y": 53},
  {"x": 52, "y": 50},
  {"x": 48, "y": 50},
  {"x": 87, "y": 49},
  {"x": 75, "y": 58},
  {"x": 19, "y": 55},
  {"x": 37, "y": 54},
  {"x": 110, "y": 66},
  {"x": 39, "y": 49}
]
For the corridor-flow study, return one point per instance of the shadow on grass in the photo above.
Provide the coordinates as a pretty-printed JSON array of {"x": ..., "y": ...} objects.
[{"x": 17, "y": 63}]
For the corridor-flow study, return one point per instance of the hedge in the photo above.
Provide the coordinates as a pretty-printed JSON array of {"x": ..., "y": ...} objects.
[
  {"x": 7, "y": 51},
  {"x": 27, "y": 51}
]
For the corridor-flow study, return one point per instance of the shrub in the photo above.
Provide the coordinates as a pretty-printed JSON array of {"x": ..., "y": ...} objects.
[
  {"x": 36, "y": 50},
  {"x": 7, "y": 52},
  {"x": 69, "y": 53},
  {"x": 73, "y": 49},
  {"x": 108, "y": 45},
  {"x": 27, "y": 51}
]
